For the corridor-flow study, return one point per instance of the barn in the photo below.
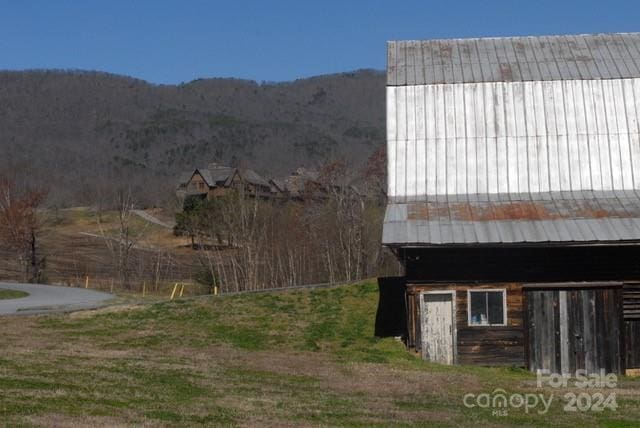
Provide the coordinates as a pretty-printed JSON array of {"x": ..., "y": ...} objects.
[{"x": 514, "y": 199}]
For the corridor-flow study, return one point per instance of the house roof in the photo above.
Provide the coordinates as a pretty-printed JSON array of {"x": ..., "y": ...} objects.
[
  {"x": 577, "y": 217},
  {"x": 221, "y": 175},
  {"x": 253, "y": 177},
  {"x": 277, "y": 185},
  {"x": 218, "y": 175},
  {"x": 206, "y": 175},
  {"x": 511, "y": 59}
]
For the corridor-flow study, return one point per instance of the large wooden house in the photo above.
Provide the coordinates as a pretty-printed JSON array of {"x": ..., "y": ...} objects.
[
  {"x": 514, "y": 199},
  {"x": 215, "y": 180}
]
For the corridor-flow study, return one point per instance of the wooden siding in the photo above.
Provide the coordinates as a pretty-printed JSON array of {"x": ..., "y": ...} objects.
[
  {"x": 485, "y": 345},
  {"x": 572, "y": 329},
  {"x": 632, "y": 344},
  {"x": 631, "y": 308},
  {"x": 512, "y": 137},
  {"x": 631, "y": 302},
  {"x": 197, "y": 185}
]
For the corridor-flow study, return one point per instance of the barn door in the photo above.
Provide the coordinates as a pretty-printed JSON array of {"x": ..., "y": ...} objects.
[
  {"x": 437, "y": 327},
  {"x": 570, "y": 330}
]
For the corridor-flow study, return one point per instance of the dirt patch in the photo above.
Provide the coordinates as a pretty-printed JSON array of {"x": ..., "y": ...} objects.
[{"x": 106, "y": 310}]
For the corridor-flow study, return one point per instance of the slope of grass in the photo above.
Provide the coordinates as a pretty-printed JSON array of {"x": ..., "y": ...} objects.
[
  {"x": 12, "y": 294},
  {"x": 304, "y": 357}
]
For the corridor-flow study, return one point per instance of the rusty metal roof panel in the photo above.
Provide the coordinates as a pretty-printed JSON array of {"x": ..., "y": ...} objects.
[
  {"x": 510, "y": 219},
  {"x": 509, "y": 59}
]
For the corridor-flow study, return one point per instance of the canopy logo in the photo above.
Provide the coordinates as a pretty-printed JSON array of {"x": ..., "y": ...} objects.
[
  {"x": 500, "y": 402},
  {"x": 597, "y": 401}
]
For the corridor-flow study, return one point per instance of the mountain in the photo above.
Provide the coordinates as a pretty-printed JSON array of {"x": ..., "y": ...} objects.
[{"x": 81, "y": 133}]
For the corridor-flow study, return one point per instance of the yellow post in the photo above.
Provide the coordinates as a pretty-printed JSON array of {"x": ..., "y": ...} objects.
[
  {"x": 181, "y": 290},
  {"x": 173, "y": 293},
  {"x": 86, "y": 282},
  {"x": 215, "y": 290},
  {"x": 144, "y": 288}
]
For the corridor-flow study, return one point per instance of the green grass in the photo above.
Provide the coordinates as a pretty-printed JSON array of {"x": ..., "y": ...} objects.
[
  {"x": 12, "y": 294},
  {"x": 304, "y": 357}
]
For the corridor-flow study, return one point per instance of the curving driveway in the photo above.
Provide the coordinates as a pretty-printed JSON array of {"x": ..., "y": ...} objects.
[{"x": 50, "y": 298}]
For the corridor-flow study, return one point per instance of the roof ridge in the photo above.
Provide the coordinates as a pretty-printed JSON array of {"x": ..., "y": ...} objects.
[{"x": 481, "y": 38}]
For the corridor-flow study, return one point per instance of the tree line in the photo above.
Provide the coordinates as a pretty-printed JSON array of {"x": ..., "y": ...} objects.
[
  {"x": 330, "y": 234},
  {"x": 20, "y": 226}
]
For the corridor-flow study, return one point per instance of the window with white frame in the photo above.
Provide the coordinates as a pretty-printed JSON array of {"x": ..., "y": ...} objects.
[{"x": 487, "y": 307}]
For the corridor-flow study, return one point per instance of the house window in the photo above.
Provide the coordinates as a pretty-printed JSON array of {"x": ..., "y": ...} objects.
[{"x": 487, "y": 307}]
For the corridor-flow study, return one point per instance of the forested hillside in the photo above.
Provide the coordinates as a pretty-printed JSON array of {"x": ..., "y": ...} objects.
[{"x": 81, "y": 133}]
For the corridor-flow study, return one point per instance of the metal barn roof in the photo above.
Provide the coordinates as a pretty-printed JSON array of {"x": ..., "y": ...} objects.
[
  {"x": 511, "y": 59},
  {"x": 577, "y": 217},
  {"x": 514, "y": 140}
]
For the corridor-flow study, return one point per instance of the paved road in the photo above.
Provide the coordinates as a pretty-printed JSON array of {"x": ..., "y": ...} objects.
[
  {"x": 151, "y": 219},
  {"x": 49, "y": 298}
]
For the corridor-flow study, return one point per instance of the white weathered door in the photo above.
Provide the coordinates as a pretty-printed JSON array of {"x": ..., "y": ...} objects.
[{"x": 437, "y": 327}]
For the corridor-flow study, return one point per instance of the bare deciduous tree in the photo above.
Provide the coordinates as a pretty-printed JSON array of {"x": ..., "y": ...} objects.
[
  {"x": 124, "y": 238},
  {"x": 20, "y": 227},
  {"x": 331, "y": 234}
]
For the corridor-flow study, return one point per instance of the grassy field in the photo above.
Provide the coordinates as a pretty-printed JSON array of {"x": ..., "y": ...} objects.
[
  {"x": 297, "y": 358},
  {"x": 12, "y": 294}
]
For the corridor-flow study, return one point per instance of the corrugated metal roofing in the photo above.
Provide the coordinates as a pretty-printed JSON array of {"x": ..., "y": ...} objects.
[
  {"x": 513, "y": 137},
  {"x": 514, "y": 140},
  {"x": 576, "y": 217},
  {"x": 512, "y": 59}
]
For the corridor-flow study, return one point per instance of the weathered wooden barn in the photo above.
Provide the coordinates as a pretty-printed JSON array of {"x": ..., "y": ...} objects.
[{"x": 514, "y": 199}]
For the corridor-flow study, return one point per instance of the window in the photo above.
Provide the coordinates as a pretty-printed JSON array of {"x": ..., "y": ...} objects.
[{"x": 487, "y": 307}]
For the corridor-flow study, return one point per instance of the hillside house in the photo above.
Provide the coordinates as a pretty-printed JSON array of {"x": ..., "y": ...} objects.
[
  {"x": 215, "y": 180},
  {"x": 302, "y": 182},
  {"x": 514, "y": 199}
]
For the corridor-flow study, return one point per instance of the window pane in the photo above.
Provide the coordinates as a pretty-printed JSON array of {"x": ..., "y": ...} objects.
[
  {"x": 478, "y": 308},
  {"x": 496, "y": 308}
]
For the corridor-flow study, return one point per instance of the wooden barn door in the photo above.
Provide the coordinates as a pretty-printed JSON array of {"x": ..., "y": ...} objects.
[
  {"x": 543, "y": 330},
  {"x": 574, "y": 329},
  {"x": 437, "y": 326}
]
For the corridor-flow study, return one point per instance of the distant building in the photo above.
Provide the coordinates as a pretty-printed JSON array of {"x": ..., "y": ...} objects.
[
  {"x": 301, "y": 182},
  {"x": 215, "y": 180}
]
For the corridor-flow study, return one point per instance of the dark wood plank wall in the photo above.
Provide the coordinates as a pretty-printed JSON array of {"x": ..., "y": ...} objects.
[
  {"x": 522, "y": 264},
  {"x": 542, "y": 332},
  {"x": 485, "y": 345},
  {"x": 592, "y": 338},
  {"x": 489, "y": 267},
  {"x": 632, "y": 344},
  {"x": 631, "y": 327},
  {"x": 631, "y": 303}
]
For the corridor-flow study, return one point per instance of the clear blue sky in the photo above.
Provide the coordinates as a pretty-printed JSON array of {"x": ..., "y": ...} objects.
[{"x": 166, "y": 41}]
